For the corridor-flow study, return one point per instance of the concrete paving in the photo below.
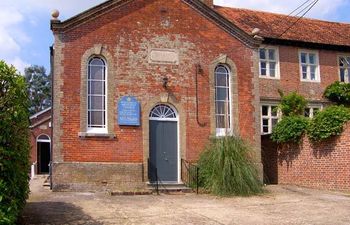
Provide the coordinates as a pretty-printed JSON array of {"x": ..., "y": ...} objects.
[{"x": 281, "y": 205}]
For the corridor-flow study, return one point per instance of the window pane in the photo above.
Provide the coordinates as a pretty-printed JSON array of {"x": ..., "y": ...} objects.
[
  {"x": 272, "y": 55},
  {"x": 274, "y": 122},
  {"x": 96, "y": 88},
  {"x": 341, "y": 61},
  {"x": 262, "y": 54},
  {"x": 263, "y": 68},
  {"x": 220, "y": 107},
  {"x": 96, "y": 119},
  {"x": 272, "y": 69},
  {"x": 347, "y": 61},
  {"x": 304, "y": 69},
  {"x": 303, "y": 57},
  {"x": 265, "y": 122},
  {"x": 220, "y": 121},
  {"x": 312, "y": 58},
  {"x": 97, "y": 102},
  {"x": 221, "y": 69},
  {"x": 97, "y": 62},
  {"x": 342, "y": 75},
  {"x": 307, "y": 112},
  {"x": 221, "y": 93},
  {"x": 265, "y": 110},
  {"x": 96, "y": 73},
  {"x": 265, "y": 129},
  {"x": 221, "y": 80},
  {"x": 274, "y": 110},
  {"x": 313, "y": 72}
]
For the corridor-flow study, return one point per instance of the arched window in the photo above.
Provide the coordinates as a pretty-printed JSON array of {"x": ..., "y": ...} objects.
[
  {"x": 97, "y": 96},
  {"x": 163, "y": 112},
  {"x": 223, "y": 110}
]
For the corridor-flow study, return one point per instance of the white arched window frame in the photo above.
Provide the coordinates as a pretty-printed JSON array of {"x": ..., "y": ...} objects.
[
  {"x": 97, "y": 96},
  {"x": 223, "y": 101},
  {"x": 43, "y": 138},
  {"x": 163, "y": 112}
]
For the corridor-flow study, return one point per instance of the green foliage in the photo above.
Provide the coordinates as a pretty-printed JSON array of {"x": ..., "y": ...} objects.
[
  {"x": 14, "y": 144},
  {"x": 338, "y": 92},
  {"x": 39, "y": 88},
  {"x": 292, "y": 104},
  {"x": 289, "y": 129},
  {"x": 328, "y": 122},
  {"x": 225, "y": 168}
]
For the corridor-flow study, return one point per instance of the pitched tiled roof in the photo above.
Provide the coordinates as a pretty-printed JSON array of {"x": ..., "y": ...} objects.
[{"x": 273, "y": 25}]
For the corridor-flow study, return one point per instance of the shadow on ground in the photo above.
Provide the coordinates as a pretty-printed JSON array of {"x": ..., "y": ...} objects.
[{"x": 54, "y": 213}]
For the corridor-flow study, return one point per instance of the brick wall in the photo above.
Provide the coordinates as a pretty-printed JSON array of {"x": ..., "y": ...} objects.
[
  {"x": 324, "y": 165},
  {"x": 290, "y": 75},
  {"x": 41, "y": 125},
  {"x": 127, "y": 34}
]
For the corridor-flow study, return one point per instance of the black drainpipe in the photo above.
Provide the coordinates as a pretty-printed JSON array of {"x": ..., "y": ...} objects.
[
  {"x": 199, "y": 70},
  {"x": 52, "y": 52}
]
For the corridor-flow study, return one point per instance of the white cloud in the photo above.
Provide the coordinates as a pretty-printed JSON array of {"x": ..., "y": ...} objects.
[{"x": 18, "y": 63}]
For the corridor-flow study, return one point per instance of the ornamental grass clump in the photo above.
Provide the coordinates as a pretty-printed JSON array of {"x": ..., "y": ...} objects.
[{"x": 226, "y": 168}]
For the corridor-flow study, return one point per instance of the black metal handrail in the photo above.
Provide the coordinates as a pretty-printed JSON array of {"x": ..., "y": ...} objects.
[
  {"x": 190, "y": 174},
  {"x": 153, "y": 169}
]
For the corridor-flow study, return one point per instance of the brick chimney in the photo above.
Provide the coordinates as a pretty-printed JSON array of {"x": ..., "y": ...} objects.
[{"x": 209, "y": 3}]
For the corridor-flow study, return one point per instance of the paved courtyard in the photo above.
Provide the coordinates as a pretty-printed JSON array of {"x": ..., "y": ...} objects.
[{"x": 282, "y": 205}]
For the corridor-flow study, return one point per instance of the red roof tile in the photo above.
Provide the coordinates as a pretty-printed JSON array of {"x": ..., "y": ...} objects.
[{"x": 273, "y": 25}]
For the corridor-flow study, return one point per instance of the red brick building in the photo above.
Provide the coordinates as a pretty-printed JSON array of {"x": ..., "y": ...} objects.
[
  {"x": 140, "y": 85},
  {"x": 40, "y": 141}
]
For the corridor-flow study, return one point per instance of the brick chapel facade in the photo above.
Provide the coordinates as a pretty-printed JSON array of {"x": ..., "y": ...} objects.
[{"x": 189, "y": 70}]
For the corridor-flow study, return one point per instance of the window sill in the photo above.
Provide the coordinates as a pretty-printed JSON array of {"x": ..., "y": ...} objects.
[
  {"x": 269, "y": 78},
  {"x": 96, "y": 135},
  {"x": 310, "y": 81}
]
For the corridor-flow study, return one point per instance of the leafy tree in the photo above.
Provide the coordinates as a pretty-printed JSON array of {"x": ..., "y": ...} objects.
[
  {"x": 292, "y": 104},
  {"x": 14, "y": 143},
  {"x": 39, "y": 88},
  {"x": 338, "y": 92}
]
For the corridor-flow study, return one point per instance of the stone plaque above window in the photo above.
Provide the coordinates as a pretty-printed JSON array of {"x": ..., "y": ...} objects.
[{"x": 163, "y": 56}]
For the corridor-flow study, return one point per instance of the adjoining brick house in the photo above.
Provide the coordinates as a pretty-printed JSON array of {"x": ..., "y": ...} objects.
[
  {"x": 40, "y": 141},
  {"x": 143, "y": 84}
]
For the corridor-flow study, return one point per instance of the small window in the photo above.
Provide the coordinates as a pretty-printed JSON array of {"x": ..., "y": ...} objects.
[
  {"x": 312, "y": 111},
  {"x": 309, "y": 67},
  {"x": 269, "y": 118},
  {"x": 222, "y": 101},
  {"x": 268, "y": 63},
  {"x": 96, "y": 113},
  {"x": 344, "y": 69}
]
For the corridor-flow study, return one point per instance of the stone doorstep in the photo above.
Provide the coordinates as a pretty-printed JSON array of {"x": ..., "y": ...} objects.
[
  {"x": 170, "y": 188},
  {"x": 130, "y": 193}
]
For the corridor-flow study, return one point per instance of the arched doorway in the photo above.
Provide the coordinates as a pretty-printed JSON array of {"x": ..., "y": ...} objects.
[
  {"x": 43, "y": 148},
  {"x": 163, "y": 144}
]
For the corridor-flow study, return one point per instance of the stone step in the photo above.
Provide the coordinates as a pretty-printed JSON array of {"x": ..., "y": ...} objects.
[{"x": 169, "y": 187}]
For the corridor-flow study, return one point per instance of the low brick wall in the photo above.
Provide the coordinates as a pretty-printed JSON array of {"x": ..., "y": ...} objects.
[
  {"x": 324, "y": 165},
  {"x": 97, "y": 177}
]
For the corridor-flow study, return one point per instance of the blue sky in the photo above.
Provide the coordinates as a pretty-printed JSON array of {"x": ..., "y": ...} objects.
[{"x": 25, "y": 34}]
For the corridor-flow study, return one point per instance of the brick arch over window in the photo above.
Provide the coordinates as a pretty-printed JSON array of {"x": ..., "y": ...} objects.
[
  {"x": 101, "y": 52},
  {"x": 231, "y": 66}
]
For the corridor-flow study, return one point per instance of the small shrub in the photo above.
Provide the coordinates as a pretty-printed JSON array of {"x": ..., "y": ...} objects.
[
  {"x": 226, "y": 168},
  {"x": 338, "y": 92},
  {"x": 328, "y": 122},
  {"x": 292, "y": 104},
  {"x": 14, "y": 144},
  {"x": 289, "y": 129}
]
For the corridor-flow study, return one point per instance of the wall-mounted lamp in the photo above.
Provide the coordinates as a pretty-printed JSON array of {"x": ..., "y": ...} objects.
[
  {"x": 199, "y": 69},
  {"x": 165, "y": 82}
]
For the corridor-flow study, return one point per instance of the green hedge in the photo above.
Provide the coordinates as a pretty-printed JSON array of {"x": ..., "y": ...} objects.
[
  {"x": 226, "y": 168},
  {"x": 338, "y": 92},
  {"x": 14, "y": 144},
  {"x": 289, "y": 129},
  {"x": 292, "y": 104},
  {"x": 328, "y": 122}
]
